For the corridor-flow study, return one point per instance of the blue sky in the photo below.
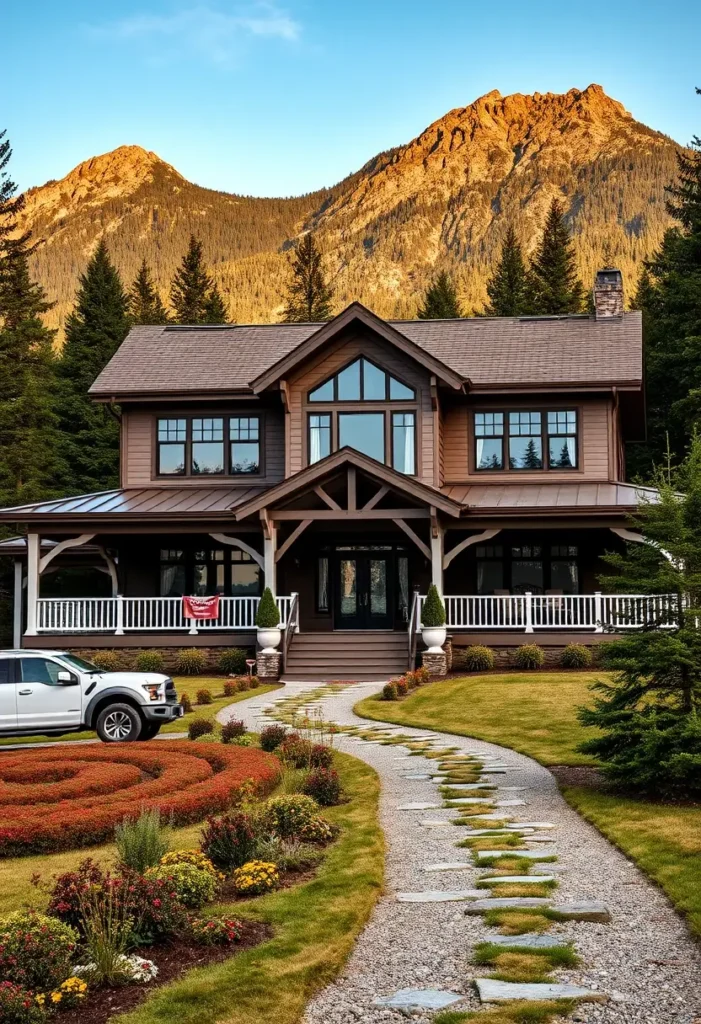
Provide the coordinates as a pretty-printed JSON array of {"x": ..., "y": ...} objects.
[{"x": 276, "y": 99}]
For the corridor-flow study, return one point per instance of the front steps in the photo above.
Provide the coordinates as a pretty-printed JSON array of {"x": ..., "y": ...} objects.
[{"x": 347, "y": 654}]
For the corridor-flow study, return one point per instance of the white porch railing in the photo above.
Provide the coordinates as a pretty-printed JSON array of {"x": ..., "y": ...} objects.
[
  {"x": 528, "y": 612},
  {"x": 144, "y": 614}
]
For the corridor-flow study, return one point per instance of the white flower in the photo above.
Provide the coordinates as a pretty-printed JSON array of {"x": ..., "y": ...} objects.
[{"x": 133, "y": 968}]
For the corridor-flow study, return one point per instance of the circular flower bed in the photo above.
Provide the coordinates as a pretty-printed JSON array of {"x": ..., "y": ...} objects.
[{"x": 60, "y": 798}]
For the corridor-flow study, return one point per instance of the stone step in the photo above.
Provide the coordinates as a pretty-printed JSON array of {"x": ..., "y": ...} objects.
[
  {"x": 585, "y": 910},
  {"x": 517, "y": 879},
  {"x": 531, "y": 940},
  {"x": 530, "y": 854},
  {"x": 455, "y": 865},
  {"x": 414, "y": 1000},
  {"x": 437, "y": 823},
  {"x": 437, "y": 896},
  {"x": 540, "y": 825},
  {"x": 418, "y": 806},
  {"x": 469, "y": 800},
  {"x": 492, "y": 991},
  {"x": 507, "y": 903}
]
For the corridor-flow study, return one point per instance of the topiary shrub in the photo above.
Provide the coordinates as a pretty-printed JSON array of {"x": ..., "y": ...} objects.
[
  {"x": 479, "y": 658},
  {"x": 150, "y": 661},
  {"x": 389, "y": 691},
  {"x": 204, "y": 697},
  {"x": 324, "y": 786},
  {"x": 287, "y": 816},
  {"x": 186, "y": 703},
  {"x": 232, "y": 730},
  {"x": 199, "y": 727},
  {"x": 433, "y": 611},
  {"x": 253, "y": 682},
  {"x": 529, "y": 656},
  {"x": 229, "y": 841},
  {"x": 402, "y": 687},
  {"x": 191, "y": 662},
  {"x": 107, "y": 661},
  {"x": 230, "y": 688},
  {"x": 268, "y": 615},
  {"x": 192, "y": 886},
  {"x": 243, "y": 683},
  {"x": 232, "y": 662},
  {"x": 576, "y": 656},
  {"x": 272, "y": 736}
]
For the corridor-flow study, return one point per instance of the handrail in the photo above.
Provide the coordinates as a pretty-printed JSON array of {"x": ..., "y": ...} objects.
[
  {"x": 291, "y": 628},
  {"x": 412, "y": 631}
]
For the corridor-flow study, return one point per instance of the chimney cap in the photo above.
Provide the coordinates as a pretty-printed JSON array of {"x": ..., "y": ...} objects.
[{"x": 609, "y": 276}]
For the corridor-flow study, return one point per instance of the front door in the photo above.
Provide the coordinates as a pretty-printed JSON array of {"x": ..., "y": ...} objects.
[{"x": 364, "y": 598}]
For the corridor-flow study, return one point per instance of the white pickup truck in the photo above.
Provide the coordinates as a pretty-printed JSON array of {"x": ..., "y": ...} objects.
[{"x": 51, "y": 692}]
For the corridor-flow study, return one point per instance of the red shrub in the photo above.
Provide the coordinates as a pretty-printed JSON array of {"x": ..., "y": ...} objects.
[
  {"x": 321, "y": 756},
  {"x": 184, "y": 781},
  {"x": 324, "y": 786}
]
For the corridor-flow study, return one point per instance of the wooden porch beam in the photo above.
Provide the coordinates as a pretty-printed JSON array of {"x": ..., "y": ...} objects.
[
  {"x": 287, "y": 544},
  {"x": 63, "y": 545},
  {"x": 376, "y": 498},
  {"x": 476, "y": 538},
  {"x": 326, "y": 498},
  {"x": 423, "y": 548},
  {"x": 236, "y": 542},
  {"x": 267, "y": 524},
  {"x": 363, "y": 515},
  {"x": 352, "y": 489}
]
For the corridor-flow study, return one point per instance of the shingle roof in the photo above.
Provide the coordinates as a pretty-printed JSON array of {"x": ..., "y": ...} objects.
[
  {"x": 549, "y": 497},
  {"x": 502, "y": 352}
]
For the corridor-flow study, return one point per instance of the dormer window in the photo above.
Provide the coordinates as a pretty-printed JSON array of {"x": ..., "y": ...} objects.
[{"x": 362, "y": 381}]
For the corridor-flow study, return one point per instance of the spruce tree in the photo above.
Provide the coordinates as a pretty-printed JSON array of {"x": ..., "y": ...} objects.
[
  {"x": 440, "y": 301},
  {"x": 10, "y": 203},
  {"x": 508, "y": 289},
  {"x": 192, "y": 287},
  {"x": 215, "y": 309},
  {"x": 145, "y": 306},
  {"x": 94, "y": 331},
  {"x": 309, "y": 295},
  {"x": 555, "y": 287}
]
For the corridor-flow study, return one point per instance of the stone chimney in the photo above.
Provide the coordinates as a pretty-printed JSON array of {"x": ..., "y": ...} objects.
[{"x": 608, "y": 293}]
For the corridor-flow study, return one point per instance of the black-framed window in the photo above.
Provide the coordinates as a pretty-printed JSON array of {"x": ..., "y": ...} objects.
[
  {"x": 172, "y": 441},
  {"x": 207, "y": 446},
  {"x": 404, "y": 442},
  {"x": 528, "y": 567},
  {"x": 319, "y": 436},
  {"x": 526, "y": 439},
  {"x": 203, "y": 571},
  {"x": 244, "y": 437},
  {"x": 364, "y": 431},
  {"x": 362, "y": 381}
]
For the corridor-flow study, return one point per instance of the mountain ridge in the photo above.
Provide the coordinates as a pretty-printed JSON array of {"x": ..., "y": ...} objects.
[{"x": 441, "y": 201}]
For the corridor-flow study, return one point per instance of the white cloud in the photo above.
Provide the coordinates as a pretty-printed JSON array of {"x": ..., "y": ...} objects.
[{"x": 214, "y": 34}]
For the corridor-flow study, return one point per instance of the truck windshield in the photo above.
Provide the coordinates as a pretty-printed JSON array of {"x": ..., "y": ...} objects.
[{"x": 79, "y": 663}]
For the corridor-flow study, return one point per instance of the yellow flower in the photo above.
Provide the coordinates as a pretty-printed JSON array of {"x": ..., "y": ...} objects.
[{"x": 56, "y": 997}]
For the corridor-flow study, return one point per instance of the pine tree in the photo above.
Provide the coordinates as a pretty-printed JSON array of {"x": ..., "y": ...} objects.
[
  {"x": 309, "y": 295},
  {"x": 192, "y": 287},
  {"x": 215, "y": 310},
  {"x": 508, "y": 287},
  {"x": 555, "y": 287},
  {"x": 94, "y": 331},
  {"x": 441, "y": 301},
  {"x": 10, "y": 203},
  {"x": 531, "y": 458},
  {"x": 145, "y": 306}
]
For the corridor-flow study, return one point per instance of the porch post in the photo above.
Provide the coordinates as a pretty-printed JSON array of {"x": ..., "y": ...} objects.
[
  {"x": 17, "y": 610},
  {"x": 269, "y": 549},
  {"x": 33, "y": 550},
  {"x": 436, "y": 554}
]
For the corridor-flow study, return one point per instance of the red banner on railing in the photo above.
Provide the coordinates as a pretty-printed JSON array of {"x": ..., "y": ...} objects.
[{"x": 201, "y": 607}]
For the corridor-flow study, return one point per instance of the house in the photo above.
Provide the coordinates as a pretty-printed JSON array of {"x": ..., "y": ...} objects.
[{"x": 348, "y": 465}]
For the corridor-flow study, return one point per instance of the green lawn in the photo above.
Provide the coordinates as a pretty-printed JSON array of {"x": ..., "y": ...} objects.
[
  {"x": 534, "y": 713},
  {"x": 183, "y": 684}
]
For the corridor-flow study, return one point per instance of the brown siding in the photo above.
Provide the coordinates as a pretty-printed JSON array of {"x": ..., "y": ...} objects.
[
  {"x": 596, "y": 441},
  {"x": 138, "y": 439},
  {"x": 333, "y": 359}
]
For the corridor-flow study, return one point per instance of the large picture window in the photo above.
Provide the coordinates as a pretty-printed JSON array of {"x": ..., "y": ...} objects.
[
  {"x": 362, "y": 381},
  {"x": 364, "y": 431},
  {"x": 197, "y": 446},
  {"x": 226, "y": 571},
  {"x": 529, "y": 439},
  {"x": 527, "y": 568}
]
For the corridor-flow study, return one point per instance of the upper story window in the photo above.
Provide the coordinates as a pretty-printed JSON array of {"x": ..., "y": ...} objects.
[
  {"x": 196, "y": 446},
  {"x": 529, "y": 439},
  {"x": 362, "y": 381}
]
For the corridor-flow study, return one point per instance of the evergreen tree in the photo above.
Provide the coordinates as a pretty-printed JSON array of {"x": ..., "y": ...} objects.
[
  {"x": 145, "y": 306},
  {"x": 508, "y": 287},
  {"x": 555, "y": 287},
  {"x": 94, "y": 331},
  {"x": 10, "y": 203},
  {"x": 215, "y": 310},
  {"x": 193, "y": 294},
  {"x": 441, "y": 301},
  {"x": 309, "y": 295}
]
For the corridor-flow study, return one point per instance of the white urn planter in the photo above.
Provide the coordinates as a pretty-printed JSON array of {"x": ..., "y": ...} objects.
[
  {"x": 434, "y": 638},
  {"x": 269, "y": 639}
]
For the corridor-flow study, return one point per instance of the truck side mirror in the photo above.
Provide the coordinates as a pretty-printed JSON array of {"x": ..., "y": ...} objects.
[{"x": 67, "y": 679}]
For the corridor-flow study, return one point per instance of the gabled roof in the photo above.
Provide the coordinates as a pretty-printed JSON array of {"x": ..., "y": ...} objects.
[
  {"x": 498, "y": 353},
  {"x": 307, "y": 478},
  {"x": 356, "y": 313}
]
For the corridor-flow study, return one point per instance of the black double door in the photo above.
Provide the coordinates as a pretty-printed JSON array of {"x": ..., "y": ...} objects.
[{"x": 364, "y": 590}]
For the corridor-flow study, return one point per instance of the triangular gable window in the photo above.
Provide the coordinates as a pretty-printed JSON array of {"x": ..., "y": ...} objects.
[{"x": 362, "y": 381}]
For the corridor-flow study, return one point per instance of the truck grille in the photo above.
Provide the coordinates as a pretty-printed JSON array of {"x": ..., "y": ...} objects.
[{"x": 171, "y": 695}]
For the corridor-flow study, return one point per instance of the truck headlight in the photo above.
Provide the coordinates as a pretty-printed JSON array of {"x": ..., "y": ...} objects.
[{"x": 153, "y": 690}]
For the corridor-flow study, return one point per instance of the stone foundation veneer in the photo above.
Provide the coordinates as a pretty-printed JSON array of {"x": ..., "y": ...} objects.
[
  {"x": 437, "y": 664},
  {"x": 268, "y": 666},
  {"x": 128, "y": 655}
]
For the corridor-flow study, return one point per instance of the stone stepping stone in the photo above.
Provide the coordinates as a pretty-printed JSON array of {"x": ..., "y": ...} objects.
[
  {"x": 437, "y": 822},
  {"x": 465, "y": 785},
  {"x": 437, "y": 896},
  {"x": 416, "y": 775},
  {"x": 455, "y": 865},
  {"x": 414, "y": 1000},
  {"x": 493, "y": 771},
  {"x": 518, "y": 879},
  {"x": 531, "y": 940},
  {"x": 417, "y": 806},
  {"x": 530, "y": 854},
  {"x": 510, "y": 803},
  {"x": 492, "y": 991},
  {"x": 535, "y": 838},
  {"x": 508, "y": 903},
  {"x": 585, "y": 910},
  {"x": 508, "y": 789},
  {"x": 475, "y": 832},
  {"x": 540, "y": 825},
  {"x": 472, "y": 800},
  {"x": 491, "y": 817}
]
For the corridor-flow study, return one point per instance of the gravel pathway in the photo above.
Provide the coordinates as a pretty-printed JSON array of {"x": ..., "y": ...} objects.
[{"x": 644, "y": 960}]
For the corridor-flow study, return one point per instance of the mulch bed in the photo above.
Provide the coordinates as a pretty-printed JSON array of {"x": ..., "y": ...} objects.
[{"x": 173, "y": 959}]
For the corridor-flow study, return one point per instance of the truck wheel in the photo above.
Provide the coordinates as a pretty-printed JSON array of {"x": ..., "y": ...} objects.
[
  {"x": 118, "y": 723},
  {"x": 149, "y": 730}
]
